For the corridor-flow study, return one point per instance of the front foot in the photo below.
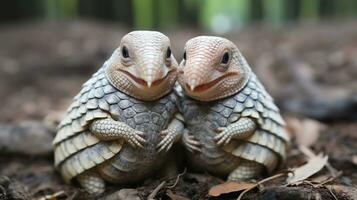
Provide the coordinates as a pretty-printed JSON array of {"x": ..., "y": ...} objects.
[
  {"x": 135, "y": 139},
  {"x": 109, "y": 129},
  {"x": 224, "y": 136},
  {"x": 191, "y": 143},
  {"x": 241, "y": 129},
  {"x": 169, "y": 136}
]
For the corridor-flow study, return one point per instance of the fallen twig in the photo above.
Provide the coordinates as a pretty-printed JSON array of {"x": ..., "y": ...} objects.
[
  {"x": 261, "y": 182},
  {"x": 330, "y": 190},
  {"x": 156, "y": 190},
  {"x": 177, "y": 179}
]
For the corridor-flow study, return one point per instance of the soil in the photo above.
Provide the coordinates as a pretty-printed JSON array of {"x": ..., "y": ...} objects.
[{"x": 310, "y": 69}]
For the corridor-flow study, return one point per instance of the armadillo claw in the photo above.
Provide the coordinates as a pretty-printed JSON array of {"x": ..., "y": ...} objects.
[
  {"x": 224, "y": 137},
  {"x": 166, "y": 143},
  {"x": 191, "y": 142},
  {"x": 136, "y": 139}
]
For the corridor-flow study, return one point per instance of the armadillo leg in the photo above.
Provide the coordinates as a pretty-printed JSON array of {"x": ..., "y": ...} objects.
[
  {"x": 172, "y": 134},
  {"x": 246, "y": 170},
  {"x": 109, "y": 129},
  {"x": 241, "y": 129},
  {"x": 91, "y": 182}
]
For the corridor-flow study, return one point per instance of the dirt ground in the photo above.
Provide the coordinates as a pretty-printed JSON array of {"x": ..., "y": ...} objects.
[{"x": 310, "y": 70}]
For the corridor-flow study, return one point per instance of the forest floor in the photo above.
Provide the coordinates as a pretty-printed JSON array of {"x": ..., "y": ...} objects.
[{"x": 310, "y": 70}]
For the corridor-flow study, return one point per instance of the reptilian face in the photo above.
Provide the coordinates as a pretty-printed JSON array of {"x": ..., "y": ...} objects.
[
  {"x": 143, "y": 65},
  {"x": 212, "y": 68}
]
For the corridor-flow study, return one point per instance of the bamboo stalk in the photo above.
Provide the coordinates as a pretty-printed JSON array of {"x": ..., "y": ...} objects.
[
  {"x": 143, "y": 11},
  {"x": 309, "y": 9},
  {"x": 222, "y": 16},
  {"x": 168, "y": 13},
  {"x": 273, "y": 11},
  {"x": 67, "y": 8}
]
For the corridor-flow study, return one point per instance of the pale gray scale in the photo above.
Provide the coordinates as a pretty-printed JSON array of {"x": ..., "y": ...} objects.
[
  {"x": 261, "y": 98},
  {"x": 75, "y": 104},
  {"x": 112, "y": 99},
  {"x": 265, "y": 113},
  {"x": 259, "y": 106},
  {"x": 92, "y": 104},
  {"x": 249, "y": 103},
  {"x": 109, "y": 89},
  {"x": 142, "y": 118},
  {"x": 98, "y": 84},
  {"x": 240, "y": 97},
  {"x": 234, "y": 117},
  {"x": 250, "y": 112},
  {"x": 102, "y": 105},
  {"x": 222, "y": 122},
  {"x": 247, "y": 91},
  {"x": 254, "y": 95},
  {"x": 104, "y": 82},
  {"x": 135, "y": 163},
  {"x": 159, "y": 108},
  {"x": 139, "y": 107},
  {"x": 226, "y": 112},
  {"x": 156, "y": 118},
  {"x": 125, "y": 104},
  {"x": 217, "y": 107},
  {"x": 229, "y": 102},
  {"x": 99, "y": 93},
  {"x": 72, "y": 113},
  {"x": 101, "y": 76},
  {"x": 122, "y": 95},
  {"x": 65, "y": 122},
  {"x": 75, "y": 98},
  {"x": 84, "y": 98},
  {"x": 129, "y": 112},
  {"x": 252, "y": 84},
  {"x": 78, "y": 114},
  {"x": 76, "y": 126},
  {"x": 131, "y": 122},
  {"x": 115, "y": 112},
  {"x": 83, "y": 121},
  {"x": 91, "y": 93}
]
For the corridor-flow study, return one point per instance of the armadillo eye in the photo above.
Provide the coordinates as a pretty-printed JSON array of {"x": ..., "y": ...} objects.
[
  {"x": 168, "y": 53},
  {"x": 225, "y": 58},
  {"x": 125, "y": 52},
  {"x": 184, "y": 55}
]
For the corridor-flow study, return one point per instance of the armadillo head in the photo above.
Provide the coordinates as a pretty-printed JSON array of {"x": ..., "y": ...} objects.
[
  {"x": 143, "y": 66},
  {"x": 212, "y": 68}
]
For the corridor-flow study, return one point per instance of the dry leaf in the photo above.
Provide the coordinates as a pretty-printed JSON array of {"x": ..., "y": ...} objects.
[
  {"x": 303, "y": 172},
  {"x": 305, "y": 131},
  {"x": 349, "y": 190},
  {"x": 228, "y": 187}
]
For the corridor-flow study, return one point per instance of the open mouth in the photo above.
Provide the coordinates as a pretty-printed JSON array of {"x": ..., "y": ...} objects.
[
  {"x": 143, "y": 82},
  {"x": 206, "y": 86}
]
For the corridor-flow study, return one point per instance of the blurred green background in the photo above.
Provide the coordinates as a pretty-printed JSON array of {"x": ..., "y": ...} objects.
[{"x": 219, "y": 16}]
